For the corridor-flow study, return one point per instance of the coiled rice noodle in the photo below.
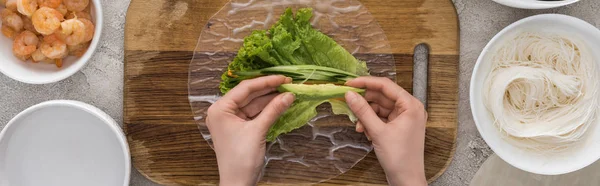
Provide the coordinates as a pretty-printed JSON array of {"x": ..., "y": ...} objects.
[{"x": 542, "y": 91}]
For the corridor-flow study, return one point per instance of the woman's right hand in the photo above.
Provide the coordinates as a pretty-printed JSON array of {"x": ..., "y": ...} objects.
[{"x": 395, "y": 122}]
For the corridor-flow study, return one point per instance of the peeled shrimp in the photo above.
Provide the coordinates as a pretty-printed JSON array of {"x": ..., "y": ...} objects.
[
  {"x": 11, "y": 5},
  {"x": 49, "y": 3},
  {"x": 80, "y": 15},
  {"x": 73, "y": 31},
  {"x": 8, "y": 32},
  {"x": 25, "y": 43},
  {"x": 62, "y": 9},
  {"x": 27, "y": 25},
  {"x": 38, "y": 56},
  {"x": 27, "y": 7},
  {"x": 22, "y": 58},
  {"x": 76, "y": 5},
  {"x": 58, "y": 62},
  {"x": 89, "y": 29},
  {"x": 47, "y": 20},
  {"x": 78, "y": 50},
  {"x": 53, "y": 48},
  {"x": 12, "y": 20}
]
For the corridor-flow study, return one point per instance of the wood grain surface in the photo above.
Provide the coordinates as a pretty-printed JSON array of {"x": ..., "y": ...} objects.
[{"x": 165, "y": 144}]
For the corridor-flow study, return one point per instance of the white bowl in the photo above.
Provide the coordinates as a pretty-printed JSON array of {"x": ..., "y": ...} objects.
[
  {"x": 63, "y": 143},
  {"x": 581, "y": 155},
  {"x": 42, "y": 73},
  {"x": 535, "y": 4}
]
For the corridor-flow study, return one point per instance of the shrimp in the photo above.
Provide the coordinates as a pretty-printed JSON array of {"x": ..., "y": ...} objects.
[
  {"x": 62, "y": 9},
  {"x": 58, "y": 62},
  {"x": 53, "y": 48},
  {"x": 25, "y": 43},
  {"x": 23, "y": 58},
  {"x": 79, "y": 15},
  {"x": 11, "y": 5},
  {"x": 38, "y": 56},
  {"x": 27, "y": 7},
  {"x": 8, "y": 32},
  {"x": 78, "y": 50},
  {"x": 46, "y": 20},
  {"x": 49, "y": 3},
  {"x": 27, "y": 25},
  {"x": 76, "y": 5},
  {"x": 12, "y": 20},
  {"x": 12, "y": 23},
  {"x": 73, "y": 31},
  {"x": 89, "y": 29}
]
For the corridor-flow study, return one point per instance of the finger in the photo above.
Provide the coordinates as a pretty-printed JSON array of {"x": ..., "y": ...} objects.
[
  {"x": 273, "y": 110},
  {"x": 240, "y": 93},
  {"x": 241, "y": 115},
  {"x": 394, "y": 114},
  {"x": 385, "y": 120},
  {"x": 412, "y": 104},
  {"x": 255, "y": 95},
  {"x": 363, "y": 112},
  {"x": 379, "y": 98},
  {"x": 368, "y": 136},
  {"x": 381, "y": 112},
  {"x": 257, "y": 105},
  {"x": 359, "y": 127},
  {"x": 221, "y": 116},
  {"x": 386, "y": 86}
]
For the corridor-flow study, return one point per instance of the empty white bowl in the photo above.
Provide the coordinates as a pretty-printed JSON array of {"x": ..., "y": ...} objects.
[
  {"x": 42, "y": 73},
  {"x": 63, "y": 143},
  {"x": 581, "y": 155},
  {"x": 535, "y": 4}
]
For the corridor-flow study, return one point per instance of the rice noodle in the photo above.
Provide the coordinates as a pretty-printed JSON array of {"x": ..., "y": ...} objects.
[{"x": 542, "y": 91}]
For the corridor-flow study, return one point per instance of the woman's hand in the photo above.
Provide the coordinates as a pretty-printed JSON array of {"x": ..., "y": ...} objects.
[
  {"x": 238, "y": 125},
  {"x": 395, "y": 121}
]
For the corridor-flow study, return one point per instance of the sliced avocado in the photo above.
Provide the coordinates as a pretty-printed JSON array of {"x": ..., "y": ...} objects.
[{"x": 318, "y": 92}]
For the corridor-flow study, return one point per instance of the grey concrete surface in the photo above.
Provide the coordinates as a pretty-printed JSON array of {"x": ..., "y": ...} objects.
[{"x": 100, "y": 83}]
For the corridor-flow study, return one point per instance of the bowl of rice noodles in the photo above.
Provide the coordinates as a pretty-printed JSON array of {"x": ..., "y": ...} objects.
[{"x": 535, "y": 91}]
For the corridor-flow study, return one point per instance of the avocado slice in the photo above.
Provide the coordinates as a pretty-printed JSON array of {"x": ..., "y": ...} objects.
[{"x": 318, "y": 92}]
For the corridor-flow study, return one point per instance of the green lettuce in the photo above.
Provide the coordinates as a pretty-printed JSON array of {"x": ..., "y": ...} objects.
[
  {"x": 292, "y": 47},
  {"x": 295, "y": 117},
  {"x": 291, "y": 41},
  {"x": 303, "y": 111},
  {"x": 340, "y": 107}
]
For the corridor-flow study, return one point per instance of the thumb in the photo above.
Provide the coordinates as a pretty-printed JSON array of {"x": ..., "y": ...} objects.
[
  {"x": 274, "y": 109},
  {"x": 363, "y": 111}
]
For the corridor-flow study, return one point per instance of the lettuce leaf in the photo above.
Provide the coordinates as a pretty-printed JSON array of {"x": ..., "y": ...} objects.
[
  {"x": 292, "y": 41},
  {"x": 295, "y": 117},
  {"x": 323, "y": 50},
  {"x": 301, "y": 112},
  {"x": 339, "y": 107}
]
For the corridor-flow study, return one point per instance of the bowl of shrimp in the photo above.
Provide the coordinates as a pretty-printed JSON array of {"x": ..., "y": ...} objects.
[{"x": 46, "y": 41}]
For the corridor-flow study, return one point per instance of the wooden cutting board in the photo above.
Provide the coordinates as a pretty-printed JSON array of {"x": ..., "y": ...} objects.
[{"x": 165, "y": 144}]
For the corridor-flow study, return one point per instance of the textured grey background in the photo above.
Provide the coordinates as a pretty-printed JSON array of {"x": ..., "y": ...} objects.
[{"x": 100, "y": 83}]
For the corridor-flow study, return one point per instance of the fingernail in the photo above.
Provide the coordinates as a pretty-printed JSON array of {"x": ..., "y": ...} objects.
[
  {"x": 287, "y": 98},
  {"x": 288, "y": 79},
  {"x": 350, "y": 97},
  {"x": 348, "y": 82}
]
